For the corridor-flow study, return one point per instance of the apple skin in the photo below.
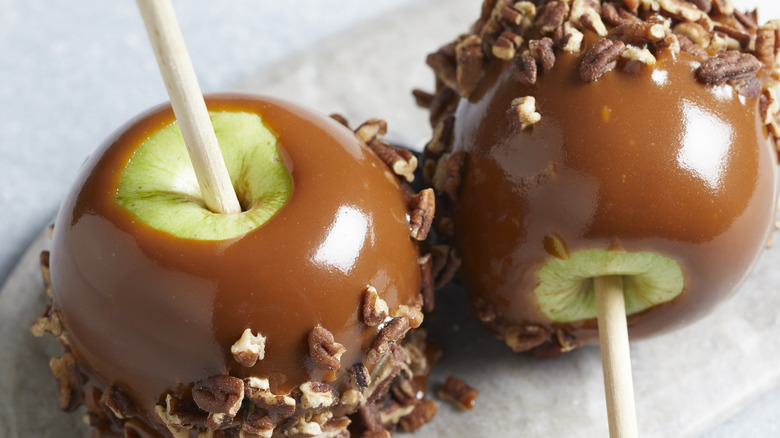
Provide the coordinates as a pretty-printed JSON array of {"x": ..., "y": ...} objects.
[
  {"x": 642, "y": 161},
  {"x": 152, "y": 312}
]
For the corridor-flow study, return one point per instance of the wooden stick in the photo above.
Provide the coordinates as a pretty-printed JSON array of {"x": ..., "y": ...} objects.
[
  {"x": 615, "y": 356},
  {"x": 188, "y": 105}
]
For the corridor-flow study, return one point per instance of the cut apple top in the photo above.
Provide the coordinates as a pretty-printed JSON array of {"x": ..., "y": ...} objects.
[{"x": 160, "y": 188}]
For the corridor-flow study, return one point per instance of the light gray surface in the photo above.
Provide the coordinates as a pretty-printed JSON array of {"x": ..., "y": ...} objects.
[{"x": 71, "y": 72}]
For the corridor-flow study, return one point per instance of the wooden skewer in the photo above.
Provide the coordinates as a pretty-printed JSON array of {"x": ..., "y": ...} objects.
[
  {"x": 188, "y": 105},
  {"x": 615, "y": 357}
]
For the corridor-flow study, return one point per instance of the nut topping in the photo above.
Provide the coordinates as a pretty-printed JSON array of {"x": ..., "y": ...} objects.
[
  {"x": 459, "y": 392},
  {"x": 469, "y": 64},
  {"x": 423, "y": 207},
  {"x": 324, "y": 351},
  {"x": 249, "y": 348},
  {"x": 730, "y": 65},
  {"x": 550, "y": 16},
  {"x": 542, "y": 50},
  {"x": 422, "y": 414},
  {"x": 372, "y": 130},
  {"x": 115, "y": 399},
  {"x": 526, "y": 337},
  {"x": 375, "y": 309},
  {"x": 316, "y": 395},
  {"x": 524, "y": 69},
  {"x": 600, "y": 59},
  {"x": 523, "y": 113},
  {"x": 221, "y": 397},
  {"x": 68, "y": 379},
  {"x": 258, "y": 391}
]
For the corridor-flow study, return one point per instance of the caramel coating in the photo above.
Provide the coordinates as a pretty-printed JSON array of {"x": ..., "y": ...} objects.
[
  {"x": 152, "y": 313},
  {"x": 646, "y": 160}
]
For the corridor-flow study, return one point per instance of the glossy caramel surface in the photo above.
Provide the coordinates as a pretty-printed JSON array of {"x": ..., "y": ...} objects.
[
  {"x": 153, "y": 313},
  {"x": 644, "y": 159}
]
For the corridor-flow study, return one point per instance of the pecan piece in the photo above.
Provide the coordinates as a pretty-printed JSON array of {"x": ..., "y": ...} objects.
[
  {"x": 324, "y": 351},
  {"x": 317, "y": 395},
  {"x": 248, "y": 349},
  {"x": 401, "y": 161},
  {"x": 522, "y": 112},
  {"x": 423, "y": 207},
  {"x": 258, "y": 391},
  {"x": 372, "y": 421},
  {"x": 587, "y": 13},
  {"x": 542, "y": 50},
  {"x": 221, "y": 397},
  {"x": 422, "y": 98},
  {"x": 340, "y": 118},
  {"x": 617, "y": 16},
  {"x": 730, "y": 65},
  {"x": 682, "y": 10},
  {"x": 421, "y": 415},
  {"x": 695, "y": 32},
  {"x": 442, "y": 135},
  {"x": 120, "y": 404},
  {"x": 503, "y": 48},
  {"x": 413, "y": 314},
  {"x": 569, "y": 38},
  {"x": 68, "y": 379},
  {"x": 46, "y": 272},
  {"x": 179, "y": 416},
  {"x": 524, "y": 69},
  {"x": 426, "y": 282},
  {"x": 765, "y": 46},
  {"x": 454, "y": 176},
  {"x": 469, "y": 60},
  {"x": 743, "y": 38},
  {"x": 371, "y": 131},
  {"x": 374, "y": 308},
  {"x": 443, "y": 67},
  {"x": 600, "y": 59},
  {"x": 445, "y": 264},
  {"x": 360, "y": 375},
  {"x": 691, "y": 48},
  {"x": 390, "y": 334},
  {"x": 522, "y": 338},
  {"x": 551, "y": 15},
  {"x": 48, "y": 322},
  {"x": 257, "y": 424},
  {"x": 638, "y": 33},
  {"x": 639, "y": 55},
  {"x": 459, "y": 392}
]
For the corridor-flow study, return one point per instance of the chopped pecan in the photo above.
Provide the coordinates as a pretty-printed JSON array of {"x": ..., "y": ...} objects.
[
  {"x": 469, "y": 60},
  {"x": 248, "y": 349},
  {"x": 459, "y": 392},
  {"x": 638, "y": 33},
  {"x": 442, "y": 135},
  {"x": 617, "y": 15},
  {"x": 749, "y": 87},
  {"x": 422, "y": 98},
  {"x": 730, "y": 65},
  {"x": 324, "y": 351},
  {"x": 404, "y": 390},
  {"x": 372, "y": 419},
  {"x": 695, "y": 32},
  {"x": 301, "y": 427},
  {"x": 743, "y": 38},
  {"x": 421, "y": 415},
  {"x": 600, "y": 59},
  {"x": 551, "y": 15},
  {"x": 511, "y": 16},
  {"x": 257, "y": 424},
  {"x": 48, "y": 322},
  {"x": 639, "y": 55},
  {"x": 374, "y": 308},
  {"x": 390, "y": 334},
  {"x": 372, "y": 130},
  {"x": 68, "y": 379},
  {"x": 445, "y": 264},
  {"x": 542, "y": 50},
  {"x": 317, "y": 395},
  {"x": 423, "y": 207},
  {"x": 115, "y": 399},
  {"x": 392, "y": 411},
  {"x": 413, "y": 314},
  {"x": 522, "y": 338},
  {"x": 722, "y": 7},
  {"x": 747, "y": 20},
  {"x": 179, "y": 416},
  {"x": 565, "y": 340},
  {"x": 221, "y": 396},
  {"x": 765, "y": 46},
  {"x": 522, "y": 112},
  {"x": 350, "y": 399},
  {"x": 588, "y": 14},
  {"x": 704, "y": 5},
  {"x": 691, "y": 48},
  {"x": 670, "y": 43},
  {"x": 444, "y": 68},
  {"x": 401, "y": 161},
  {"x": 339, "y": 118},
  {"x": 682, "y": 10},
  {"x": 258, "y": 391},
  {"x": 503, "y": 48},
  {"x": 452, "y": 182},
  {"x": 569, "y": 39},
  {"x": 426, "y": 282},
  {"x": 360, "y": 375},
  {"x": 524, "y": 69},
  {"x": 46, "y": 272}
]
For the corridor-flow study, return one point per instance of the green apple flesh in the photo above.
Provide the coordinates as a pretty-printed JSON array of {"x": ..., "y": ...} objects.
[
  {"x": 159, "y": 184},
  {"x": 566, "y": 294}
]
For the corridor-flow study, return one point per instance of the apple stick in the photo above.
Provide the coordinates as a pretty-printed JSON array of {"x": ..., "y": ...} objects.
[
  {"x": 615, "y": 356},
  {"x": 188, "y": 105}
]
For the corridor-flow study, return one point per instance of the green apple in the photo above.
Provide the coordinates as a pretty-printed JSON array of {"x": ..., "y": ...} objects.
[
  {"x": 565, "y": 292},
  {"x": 159, "y": 184}
]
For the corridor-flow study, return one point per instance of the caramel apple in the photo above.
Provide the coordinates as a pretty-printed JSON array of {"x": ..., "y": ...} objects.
[
  {"x": 575, "y": 140},
  {"x": 283, "y": 319}
]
